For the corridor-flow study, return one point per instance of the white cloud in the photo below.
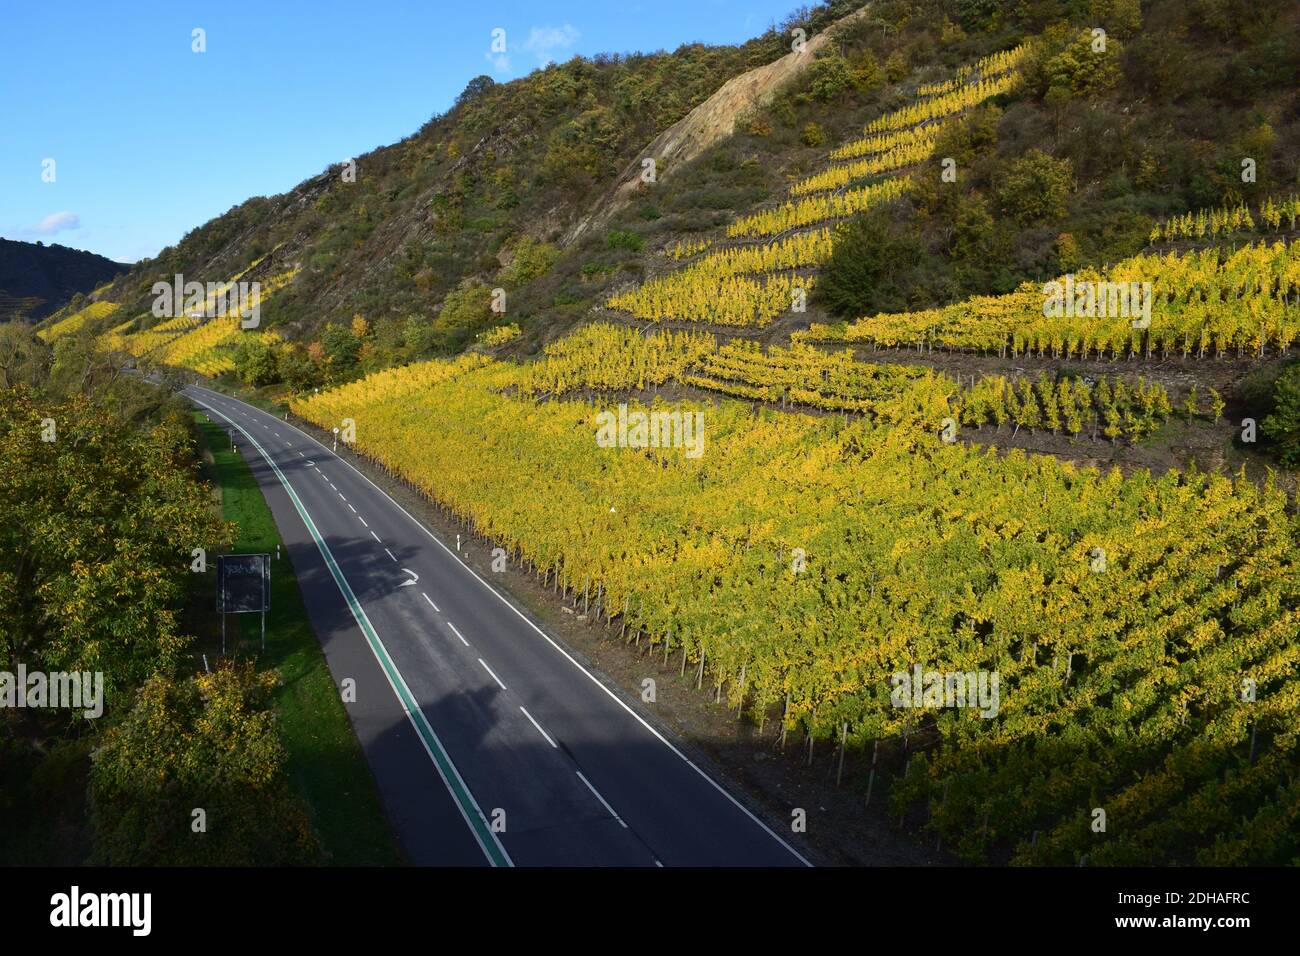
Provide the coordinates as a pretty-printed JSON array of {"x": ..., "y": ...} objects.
[
  {"x": 500, "y": 62},
  {"x": 545, "y": 42},
  {"x": 55, "y": 222}
]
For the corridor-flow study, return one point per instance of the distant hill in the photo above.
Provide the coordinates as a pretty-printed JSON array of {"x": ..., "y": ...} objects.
[{"x": 37, "y": 280}]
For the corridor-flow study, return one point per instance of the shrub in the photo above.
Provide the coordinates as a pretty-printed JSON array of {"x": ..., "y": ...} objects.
[
  {"x": 828, "y": 77},
  {"x": 814, "y": 135},
  {"x": 873, "y": 268},
  {"x": 532, "y": 260},
  {"x": 623, "y": 239}
]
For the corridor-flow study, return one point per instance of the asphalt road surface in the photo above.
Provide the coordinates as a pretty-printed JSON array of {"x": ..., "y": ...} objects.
[{"x": 489, "y": 743}]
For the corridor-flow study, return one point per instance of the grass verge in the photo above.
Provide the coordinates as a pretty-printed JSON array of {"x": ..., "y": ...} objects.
[{"x": 326, "y": 764}]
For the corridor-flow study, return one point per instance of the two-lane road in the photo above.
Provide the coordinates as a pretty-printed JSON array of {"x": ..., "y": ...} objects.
[{"x": 489, "y": 742}]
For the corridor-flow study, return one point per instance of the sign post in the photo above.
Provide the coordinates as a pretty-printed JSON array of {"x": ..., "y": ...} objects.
[{"x": 243, "y": 587}]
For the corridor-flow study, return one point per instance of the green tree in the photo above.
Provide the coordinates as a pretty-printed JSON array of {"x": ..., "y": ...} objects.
[
  {"x": 256, "y": 362},
  {"x": 1036, "y": 187},
  {"x": 97, "y": 526},
  {"x": 873, "y": 267},
  {"x": 342, "y": 352},
  {"x": 1282, "y": 425},
  {"x": 24, "y": 356},
  {"x": 829, "y": 77},
  {"x": 466, "y": 311},
  {"x": 208, "y": 742},
  {"x": 1088, "y": 66}
]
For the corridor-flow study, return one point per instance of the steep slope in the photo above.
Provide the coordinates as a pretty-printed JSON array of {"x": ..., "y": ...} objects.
[
  {"x": 37, "y": 280},
  {"x": 414, "y": 235},
  {"x": 713, "y": 120}
]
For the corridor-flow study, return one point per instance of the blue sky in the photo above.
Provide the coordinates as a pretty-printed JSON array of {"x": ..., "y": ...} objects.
[{"x": 150, "y": 139}]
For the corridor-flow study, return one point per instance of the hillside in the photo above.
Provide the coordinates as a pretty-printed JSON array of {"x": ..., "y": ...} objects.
[
  {"x": 534, "y": 186},
  {"x": 37, "y": 280},
  {"x": 969, "y": 331}
]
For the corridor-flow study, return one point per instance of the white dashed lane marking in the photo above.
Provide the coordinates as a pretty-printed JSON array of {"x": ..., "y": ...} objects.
[
  {"x": 489, "y": 670},
  {"x": 603, "y": 802},
  {"x": 539, "y": 729}
]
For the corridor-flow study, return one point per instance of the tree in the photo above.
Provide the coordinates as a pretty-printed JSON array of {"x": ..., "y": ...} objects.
[
  {"x": 1035, "y": 188},
  {"x": 828, "y": 77},
  {"x": 96, "y": 532},
  {"x": 866, "y": 72},
  {"x": 341, "y": 350},
  {"x": 208, "y": 742},
  {"x": 1282, "y": 425},
  {"x": 1082, "y": 69},
  {"x": 873, "y": 267},
  {"x": 475, "y": 88},
  {"x": 466, "y": 311},
  {"x": 896, "y": 67},
  {"x": 257, "y": 362},
  {"x": 1122, "y": 18},
  {"x": 24, "y": 356},
  {"x": 298, "y": 370}
]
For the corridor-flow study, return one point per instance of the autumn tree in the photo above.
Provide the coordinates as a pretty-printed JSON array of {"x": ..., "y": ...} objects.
[{"x": 195, "y": 775}]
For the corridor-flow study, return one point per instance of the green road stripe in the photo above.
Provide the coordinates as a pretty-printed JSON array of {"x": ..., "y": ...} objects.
[{"x": 469, "y": 808}]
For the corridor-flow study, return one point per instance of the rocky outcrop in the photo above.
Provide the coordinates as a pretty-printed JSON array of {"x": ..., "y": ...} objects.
[{"x": 709, "y": 123}]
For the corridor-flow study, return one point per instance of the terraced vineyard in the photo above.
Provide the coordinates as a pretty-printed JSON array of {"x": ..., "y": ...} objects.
[
  {"x": 199, "y": 344},
  {"x": 78, "y": 320},
  {"x": 748, "y": 286},
  {"x": 1272, "y": 215},
  {"x": 1122, "y": 614},
  {"x": 1203, "y": 303}
]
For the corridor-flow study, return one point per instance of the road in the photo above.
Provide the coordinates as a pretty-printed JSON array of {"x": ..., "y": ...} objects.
[{"x": 489, "y": 742}]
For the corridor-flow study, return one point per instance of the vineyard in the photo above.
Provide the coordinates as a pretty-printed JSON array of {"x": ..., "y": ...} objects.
[
  {"x": 1208, "y": 302},
  {"x": 1122, "y": 614},
  {"x": 695, "y": 295},
  {"x": 199, "y": 344},
  {"x": 1224, "y": 221},
  {"x": 606, "y": 357},
  {"x": 716, "y": 288},
  {"x": 803, "y": 375},
  {"x": 743, "y": 285},
  {"x": 78, "y": 320},
  {"x": 805, "y": 212}
]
